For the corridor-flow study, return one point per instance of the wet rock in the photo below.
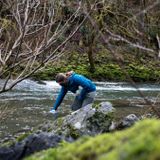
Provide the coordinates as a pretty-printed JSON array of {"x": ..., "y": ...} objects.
[
  {"x": 6, "y": 153},
  {"x": 12, "y": 152},
  {"x": 124, "y": 123},
  {"x": 31, "y": 144},
  {"x": 129, "y": 120},
  {"x": 41, "y": 141}
]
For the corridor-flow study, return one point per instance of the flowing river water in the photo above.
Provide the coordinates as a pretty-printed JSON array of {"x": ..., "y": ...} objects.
[{"x": 28, "y": 104}]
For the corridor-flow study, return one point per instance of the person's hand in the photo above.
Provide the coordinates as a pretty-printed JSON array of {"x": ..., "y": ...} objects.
[{"x": 53, "y": 111}]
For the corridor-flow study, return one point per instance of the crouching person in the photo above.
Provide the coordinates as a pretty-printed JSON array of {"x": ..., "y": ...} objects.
[{"x": 71, "y": 81}]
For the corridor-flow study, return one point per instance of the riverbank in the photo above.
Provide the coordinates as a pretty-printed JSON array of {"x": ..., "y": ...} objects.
[{"x": 107, "y": 68}]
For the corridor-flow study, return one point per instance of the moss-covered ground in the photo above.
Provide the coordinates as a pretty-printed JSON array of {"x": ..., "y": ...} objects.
[{"x": 140, "y": 69}]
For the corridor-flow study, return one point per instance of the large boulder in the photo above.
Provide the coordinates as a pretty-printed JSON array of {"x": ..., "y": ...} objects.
[{"x": 88, "y": 120}]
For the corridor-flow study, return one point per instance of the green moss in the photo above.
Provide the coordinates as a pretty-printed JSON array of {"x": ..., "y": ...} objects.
[
  {"x": 60, "y": 121},
  {"x": 141, "y": 142},
  {"x": 95, "y": 105},
  {"x": 73, "y": 132},
  {"x": 108, "y": 71},
  {"x": 141, "y": 72},
  {"x": 23, "y": 136},
  {"x": 8, "y": 143},
  {"x": 107, "y": 68},
  {"x": 99, "y": 122},
  {"x": 12, "y": 142}
]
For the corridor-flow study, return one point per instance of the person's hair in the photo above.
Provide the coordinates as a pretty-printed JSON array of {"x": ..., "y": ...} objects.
[{"x": 60, "y": 77}]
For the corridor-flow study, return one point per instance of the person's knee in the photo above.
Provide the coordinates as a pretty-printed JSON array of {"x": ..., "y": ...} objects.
[
  {"x": 87, "y": 101},
  {"x": 77, "y": 104},
  {"x": 75, "y": 107}
]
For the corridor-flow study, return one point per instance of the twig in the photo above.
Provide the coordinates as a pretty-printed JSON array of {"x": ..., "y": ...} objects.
[{"x": 158, "y": 41}]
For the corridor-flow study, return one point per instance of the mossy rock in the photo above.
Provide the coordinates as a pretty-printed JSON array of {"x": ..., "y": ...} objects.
[
  {"x": 23, "y": 136},
  {"x": 99, "y": 122},
  {"x": 141, "y": 142}
]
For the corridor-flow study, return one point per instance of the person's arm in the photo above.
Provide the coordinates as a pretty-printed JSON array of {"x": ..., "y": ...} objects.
[{"x": 60, "y": 98}]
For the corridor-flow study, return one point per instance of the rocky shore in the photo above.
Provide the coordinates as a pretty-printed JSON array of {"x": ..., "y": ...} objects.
[{"x": 88, "y": 121}]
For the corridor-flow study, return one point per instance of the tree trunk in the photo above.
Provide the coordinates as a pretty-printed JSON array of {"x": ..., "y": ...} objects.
[{"x": 90, "y": 58}]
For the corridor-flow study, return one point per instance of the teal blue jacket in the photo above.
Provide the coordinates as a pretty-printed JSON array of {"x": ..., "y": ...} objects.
[{"x": 74, "y": 81}]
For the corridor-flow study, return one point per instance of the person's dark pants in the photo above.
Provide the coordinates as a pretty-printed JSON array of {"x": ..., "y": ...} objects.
[{"x": 77, "y": 104}]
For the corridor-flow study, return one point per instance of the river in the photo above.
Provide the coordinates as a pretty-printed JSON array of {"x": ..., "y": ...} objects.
[{"x": 28, "y": 104}]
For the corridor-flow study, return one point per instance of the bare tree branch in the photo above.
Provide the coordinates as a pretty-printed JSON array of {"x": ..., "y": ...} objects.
[
  {"x": 116, "y": 37},
  {"x": 37, "y": 43},
  {"x": 158, "y": 41}
]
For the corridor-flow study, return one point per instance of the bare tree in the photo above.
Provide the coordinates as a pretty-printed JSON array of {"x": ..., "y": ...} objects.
[
  {"x": 109, "y": 36},
  {"x": 33, "y": 33}
]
